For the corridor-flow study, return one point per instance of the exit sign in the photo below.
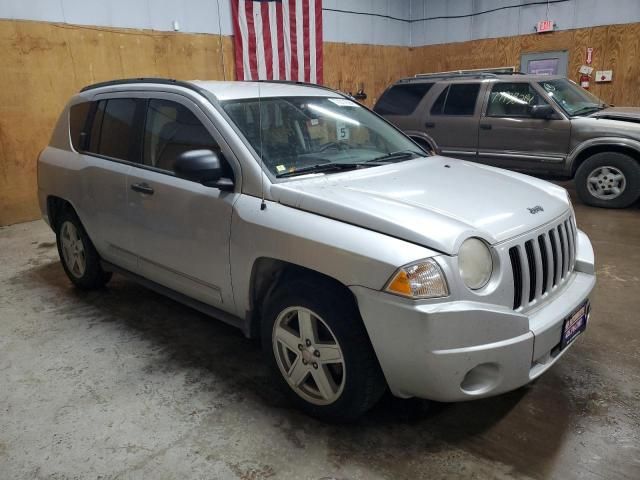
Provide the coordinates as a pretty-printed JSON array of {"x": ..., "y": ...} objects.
[{"x": 545, "y": 26}]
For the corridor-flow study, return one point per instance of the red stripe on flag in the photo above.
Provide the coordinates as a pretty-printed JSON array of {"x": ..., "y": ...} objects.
[
  {"x": 253, "y": 61},
  {"x": 318, "y": 45},
  {"x": 280, "y": 36},
  {"x": 237, "y": 40},
  {"x": 266, "y": 34},
  {"x": 293, "y": 38},
  {"x": 305, "y": 40}
]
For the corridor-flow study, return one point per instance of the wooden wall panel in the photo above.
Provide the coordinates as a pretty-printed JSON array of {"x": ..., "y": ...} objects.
[
  {"x": 616, "y": 47},
  {"x": 44, "y": 64}
]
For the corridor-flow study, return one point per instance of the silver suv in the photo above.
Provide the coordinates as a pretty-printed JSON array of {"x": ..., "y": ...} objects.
[
  {"x": 544, "y": 125},
  {"x": 302, "y": 218}
]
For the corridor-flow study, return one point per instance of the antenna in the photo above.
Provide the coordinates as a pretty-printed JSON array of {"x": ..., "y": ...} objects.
[{"x": 263, "y": 205}]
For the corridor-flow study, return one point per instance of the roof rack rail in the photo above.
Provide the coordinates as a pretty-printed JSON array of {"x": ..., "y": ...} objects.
[
  {"x": 472, "y": 73},
  {"x": 156, "y": 80}
]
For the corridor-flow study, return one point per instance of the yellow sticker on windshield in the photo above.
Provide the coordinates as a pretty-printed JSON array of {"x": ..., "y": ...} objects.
[{"x": 280, "y": 168}]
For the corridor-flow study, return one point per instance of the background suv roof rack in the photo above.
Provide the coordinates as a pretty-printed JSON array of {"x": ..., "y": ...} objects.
[{"x": 474, "y": 73}]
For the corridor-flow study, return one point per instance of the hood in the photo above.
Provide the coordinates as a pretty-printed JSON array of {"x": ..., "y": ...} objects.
[
  {"x": 436, "y": 201},
  {"x": 628, "y": 114}
]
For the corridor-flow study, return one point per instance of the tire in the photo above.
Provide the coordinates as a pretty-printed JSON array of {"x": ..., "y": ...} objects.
[
  {"x": 601, "y": 174},
  {"x": 355, "y": 380},
  {"x": 78, "y": 256}
]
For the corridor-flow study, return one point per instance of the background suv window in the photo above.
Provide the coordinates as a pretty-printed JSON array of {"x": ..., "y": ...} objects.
[
  {"x": 402, "y": 99},
  {"x": 512, "y": 100},
  {"x": 170, "y": 130},
  {"x": 457, "y": 99}
]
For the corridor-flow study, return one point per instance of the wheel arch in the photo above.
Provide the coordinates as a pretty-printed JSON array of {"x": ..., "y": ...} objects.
[
  {"x": 55, "y": 206},
  {"x": 588, "y": 149},
  {"x": 268, "y": 273}
]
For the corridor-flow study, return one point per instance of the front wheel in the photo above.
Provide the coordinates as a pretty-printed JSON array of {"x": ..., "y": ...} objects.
[
  {"x": 321, "y": 352},
  {"x": 608, "y": 180}
]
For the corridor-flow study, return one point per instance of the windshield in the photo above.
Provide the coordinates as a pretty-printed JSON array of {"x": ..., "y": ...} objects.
[
  {"x": 308, "y": 134},
  {"x": 571, "y": 98}
]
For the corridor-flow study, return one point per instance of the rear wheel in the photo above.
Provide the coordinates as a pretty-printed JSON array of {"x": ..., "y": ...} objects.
[
  {"x": 609, "y": 180},
  {"x": 320, "y": 351},
  {"x": 78, "y": 255}
]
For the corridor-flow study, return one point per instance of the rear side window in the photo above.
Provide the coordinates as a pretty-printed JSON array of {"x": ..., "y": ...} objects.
[
  {"x": 458, "y": 99},
  {"x": 78, "y": 115},
  {"x": 402, "y": 99},
  {"x": 117, "y": 137}
]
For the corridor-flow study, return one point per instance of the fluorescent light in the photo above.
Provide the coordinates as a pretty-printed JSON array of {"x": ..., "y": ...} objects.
[{"x": 329, "y": 113}]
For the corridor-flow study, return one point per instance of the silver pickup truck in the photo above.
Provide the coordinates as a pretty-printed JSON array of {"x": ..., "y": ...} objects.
[{"x": 301, "y": 217}]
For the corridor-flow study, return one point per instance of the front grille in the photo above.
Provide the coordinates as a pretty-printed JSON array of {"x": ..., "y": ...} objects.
[{"x": 542, "y": 263}]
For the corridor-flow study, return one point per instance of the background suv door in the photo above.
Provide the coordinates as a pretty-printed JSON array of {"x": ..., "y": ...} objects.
[
  {"x": 511, "y": 138},
  {"x": 180, "y": 229},
  {"x": 452, "y": 120}
]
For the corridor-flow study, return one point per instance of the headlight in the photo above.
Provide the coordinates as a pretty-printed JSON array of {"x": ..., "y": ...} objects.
[
  {"x": 419, "y": 280},
  {"x": 475, "y": 263}
]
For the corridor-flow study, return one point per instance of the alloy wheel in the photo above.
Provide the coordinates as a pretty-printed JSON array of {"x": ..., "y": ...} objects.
[
  {"x": 308, "y": 355},
  {"x": 73, "y": 249},
  {"x": 606, "y": 183}
]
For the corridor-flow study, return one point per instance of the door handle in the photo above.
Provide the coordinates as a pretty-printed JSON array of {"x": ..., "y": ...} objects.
[
  {"x": 486, "y": 126},
  {"x": 429, "y": 125},
  {"x": 142, "y": 188}
]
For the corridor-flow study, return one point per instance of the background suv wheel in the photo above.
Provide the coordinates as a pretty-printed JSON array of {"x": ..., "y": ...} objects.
[
  {"x": 608, "y": 179},
  {"x": 77, "y": 254},
  {"x": 320, "y": 350}
]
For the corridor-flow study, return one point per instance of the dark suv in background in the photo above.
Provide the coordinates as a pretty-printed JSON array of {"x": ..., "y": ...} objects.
[{"x": 543, "y": 125}]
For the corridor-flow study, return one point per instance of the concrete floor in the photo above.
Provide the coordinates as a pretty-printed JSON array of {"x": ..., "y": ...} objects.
[{"x": 124, "y": 383}]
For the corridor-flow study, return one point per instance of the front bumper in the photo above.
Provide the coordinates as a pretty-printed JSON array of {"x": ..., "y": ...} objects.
[{"x": 462, "y": 350}]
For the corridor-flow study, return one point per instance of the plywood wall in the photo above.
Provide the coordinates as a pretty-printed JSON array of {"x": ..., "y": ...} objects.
[
  {"x": 43, "y": 64},
  {"x": 616, "y": 47}
]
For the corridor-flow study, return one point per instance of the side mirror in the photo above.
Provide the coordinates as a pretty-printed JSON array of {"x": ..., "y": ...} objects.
[
  {"x": 202, "y": 166},
  {"x": 542, "y": 111}
]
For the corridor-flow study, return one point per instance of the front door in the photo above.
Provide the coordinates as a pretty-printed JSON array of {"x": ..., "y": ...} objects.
[
  {"x": 180, "y": 229},
  {"x": 452, "y": 120},
  {"x": 511, "y": 138}
]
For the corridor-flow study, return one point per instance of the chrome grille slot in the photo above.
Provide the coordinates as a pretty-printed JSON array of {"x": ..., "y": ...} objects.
[
  {"x": 542, "y": 262},
  {"x": 542, "y": 245},
  {"x": 517, "y": 277}
]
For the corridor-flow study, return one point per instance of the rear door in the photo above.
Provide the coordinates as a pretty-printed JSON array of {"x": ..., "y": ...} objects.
[
  {"x": 180, "y": 229},
  {"x": 452, "y": 120},
  {"x": 511, "y": 138},
  {"x": 107, "y": 143}
]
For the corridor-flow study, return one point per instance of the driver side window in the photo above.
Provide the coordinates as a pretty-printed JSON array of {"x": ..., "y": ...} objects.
[
  {"x": 513, "y": 100},
  {"x": 170, "y": 130}
]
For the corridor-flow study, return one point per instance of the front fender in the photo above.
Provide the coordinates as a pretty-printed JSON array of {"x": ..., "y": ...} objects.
[
  {"x": 350, "y": 254},
  {"x": 600, "y": 141}
]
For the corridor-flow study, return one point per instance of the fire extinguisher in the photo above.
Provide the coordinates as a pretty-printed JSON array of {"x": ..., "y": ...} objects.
[{"x": 584, "y": 81}]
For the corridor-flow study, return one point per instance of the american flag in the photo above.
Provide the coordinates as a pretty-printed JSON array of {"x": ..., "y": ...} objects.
[{"x": 278, "y": 39}]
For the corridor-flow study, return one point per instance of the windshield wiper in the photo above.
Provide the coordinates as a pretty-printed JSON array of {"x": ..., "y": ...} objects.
[
  {"x": 587, "y": 110},
  {"x": 322, "y": 167},
  {"x": 399, "y": 155}
]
